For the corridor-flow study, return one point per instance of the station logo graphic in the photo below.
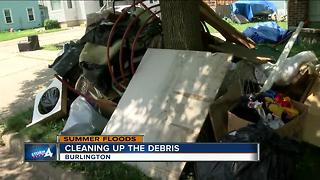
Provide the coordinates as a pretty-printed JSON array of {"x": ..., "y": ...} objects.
[{"x": 40, "y": 152}]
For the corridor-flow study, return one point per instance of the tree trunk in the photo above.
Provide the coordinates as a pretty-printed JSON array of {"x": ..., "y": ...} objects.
[{"x": 181, "y": 24}]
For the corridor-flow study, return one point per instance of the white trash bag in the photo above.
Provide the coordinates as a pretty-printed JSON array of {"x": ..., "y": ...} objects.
[{"x": 83, "y": 119}]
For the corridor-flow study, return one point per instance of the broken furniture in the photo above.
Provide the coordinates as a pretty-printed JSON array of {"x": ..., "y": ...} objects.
[
  {"x": 50, "y": 104},
  {"x": 167, "y": 100},
  {"x": 30, "y": 45}
]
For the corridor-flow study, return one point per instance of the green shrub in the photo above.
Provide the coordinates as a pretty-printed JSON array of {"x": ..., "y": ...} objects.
[
  {"x": 51, "y": 24},
  {"x": 19, "y": 121}
]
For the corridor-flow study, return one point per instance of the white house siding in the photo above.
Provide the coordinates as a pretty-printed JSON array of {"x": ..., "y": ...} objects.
[
  {"x": 91, "y": 6},
  {"x": 81, "y": 11},
  {"x": 70, "y": 14},
  {"x": 78, "y": 12},
  {"x": 58, "y": 15}
]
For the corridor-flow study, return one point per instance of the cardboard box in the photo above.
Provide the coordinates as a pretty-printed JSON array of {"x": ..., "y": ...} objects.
[
  {"x": 292, "y": 129},
  {"x": 299, "y": 90},
  {"x": 311, "y": 127}
]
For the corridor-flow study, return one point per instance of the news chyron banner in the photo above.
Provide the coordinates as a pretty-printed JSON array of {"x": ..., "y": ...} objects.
[{"x": 132, "y": 148}]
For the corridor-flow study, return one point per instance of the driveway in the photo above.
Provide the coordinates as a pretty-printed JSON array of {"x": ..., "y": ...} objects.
[{"x": 22, "y": 75}]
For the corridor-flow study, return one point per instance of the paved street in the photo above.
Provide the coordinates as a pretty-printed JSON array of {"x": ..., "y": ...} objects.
[{"x": 24, "y": 74}]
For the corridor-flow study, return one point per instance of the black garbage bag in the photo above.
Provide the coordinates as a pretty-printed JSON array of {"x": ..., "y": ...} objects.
[
  {"x": 99, "y": 32},
  {"x": 67, "y": 62},
  {"x": 48, "y": 100},
  {"x": 278, "y": 158}
]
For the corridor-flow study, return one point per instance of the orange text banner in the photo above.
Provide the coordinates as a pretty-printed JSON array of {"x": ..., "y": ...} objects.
[{"x": 121, "y": 139}]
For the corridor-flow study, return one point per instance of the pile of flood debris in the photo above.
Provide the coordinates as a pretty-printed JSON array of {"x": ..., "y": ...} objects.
[{"x": 118, "y": 79}]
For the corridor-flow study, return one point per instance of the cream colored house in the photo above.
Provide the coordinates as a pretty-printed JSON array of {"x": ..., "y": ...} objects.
[{"x": 72, "y": 12}]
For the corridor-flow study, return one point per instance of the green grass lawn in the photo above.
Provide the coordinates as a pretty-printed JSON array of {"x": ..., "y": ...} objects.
[
  {"x": 298, "y": 47},
  {"x": 52, "y": 47},
  {"x": 242, "y": 27},
  {"x": 5, "y": 36}
]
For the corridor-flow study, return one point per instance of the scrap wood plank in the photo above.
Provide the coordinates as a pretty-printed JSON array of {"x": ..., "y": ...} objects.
[
  {"x": 282, "y": 60},
  {"x": 217, "y": 44},
  {"x": 168, "y": 100},
  {"x": 241, "y": 52},
  {"x": 228, "y": 31}
]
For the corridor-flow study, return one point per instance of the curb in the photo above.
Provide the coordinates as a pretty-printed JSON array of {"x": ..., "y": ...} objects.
[{"x": 14, "y": 142}]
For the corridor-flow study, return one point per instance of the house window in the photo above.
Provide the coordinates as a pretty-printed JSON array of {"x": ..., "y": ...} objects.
[
  {"x": 55, "y": 4},
  {"x": 7, "y": 15},
  {"x": 30, "y": 14},
  {"x": 69, "y": 4}
]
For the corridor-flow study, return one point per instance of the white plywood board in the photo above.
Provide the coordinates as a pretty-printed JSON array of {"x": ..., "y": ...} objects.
[{"x": 167, "y": 100}]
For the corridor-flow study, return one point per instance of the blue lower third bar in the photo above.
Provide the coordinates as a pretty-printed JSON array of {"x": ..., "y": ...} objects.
[
  {"x": 160, "y": 147},
  {"x": 159, "y": 152}
]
